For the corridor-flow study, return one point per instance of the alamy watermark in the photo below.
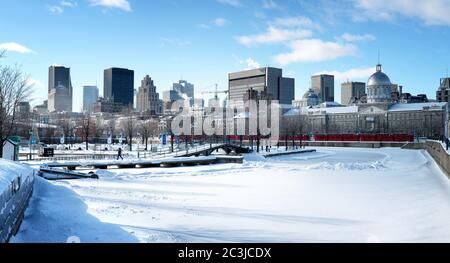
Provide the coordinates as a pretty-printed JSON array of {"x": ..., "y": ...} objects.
[{"x": 250, "y": 118}]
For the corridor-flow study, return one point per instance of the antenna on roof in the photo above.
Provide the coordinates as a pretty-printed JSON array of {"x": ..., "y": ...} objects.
[{"x": 378, "y": 56}]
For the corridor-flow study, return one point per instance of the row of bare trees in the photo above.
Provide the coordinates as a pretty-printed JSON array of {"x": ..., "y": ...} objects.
[
  {"x": 14, "y": 88},
  {"x": 88, "y": 127}
]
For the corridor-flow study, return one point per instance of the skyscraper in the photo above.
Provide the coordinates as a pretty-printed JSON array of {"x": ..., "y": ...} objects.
[
  {"x": 268, "y": 83},
  {"x": 184, "y": 87},
  {"x": 352, "y": 91},
  {"x": 147, "y": 97},
  {"x": 60, "y": 90},
  {"x": 118, "y": 86},
  {"x": 90, "y": 97},
  {"x": 185, "y": 90},
  {"x": 323, "y": 86}
]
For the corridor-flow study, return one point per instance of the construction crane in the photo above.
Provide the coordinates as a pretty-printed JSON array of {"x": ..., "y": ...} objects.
[{"x": 216, "y": 92}]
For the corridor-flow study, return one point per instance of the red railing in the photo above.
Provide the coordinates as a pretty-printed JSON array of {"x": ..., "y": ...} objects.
[{"x": 365, "y": 137}]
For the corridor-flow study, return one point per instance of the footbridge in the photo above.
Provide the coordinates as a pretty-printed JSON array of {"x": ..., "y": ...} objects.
[{"x": 228, "y": 148}]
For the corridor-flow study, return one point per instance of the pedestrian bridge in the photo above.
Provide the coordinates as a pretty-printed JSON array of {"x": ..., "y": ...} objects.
[{"x": 207, "y": 150}]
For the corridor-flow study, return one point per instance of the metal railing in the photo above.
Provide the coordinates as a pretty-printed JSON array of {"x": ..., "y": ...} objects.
[{"x": 163, "y": 152}]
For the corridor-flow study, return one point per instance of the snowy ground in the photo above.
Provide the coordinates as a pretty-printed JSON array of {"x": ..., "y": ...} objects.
[{"x": 334, "y": 195}]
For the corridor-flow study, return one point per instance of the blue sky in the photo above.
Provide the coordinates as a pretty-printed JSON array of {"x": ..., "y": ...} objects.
[{"x": 203, "y": 40}]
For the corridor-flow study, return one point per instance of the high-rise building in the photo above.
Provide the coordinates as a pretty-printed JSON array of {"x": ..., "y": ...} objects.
[
  {"x": 103, "y": 105},
  {"x": 90, "y": 97},
  {"x": 443, "y": 92},
  {"x": 182, "y": 90},
  {"x": 60, "y": 90},
  {"x": 23, "y": 107},
  {"x": 266, "y": 83},
  {"x": 184, "y": 87},
  {"x": 171, "y": 96},
  {"x": 118, "y": 86},
  {"x": 352, "y": 92},
  {"x": 147, "y": 99},
  {"x": 323, "y": 86}
]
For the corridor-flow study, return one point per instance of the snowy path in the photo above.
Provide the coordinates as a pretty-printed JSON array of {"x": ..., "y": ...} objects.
[{"x": 334, "y": 195}]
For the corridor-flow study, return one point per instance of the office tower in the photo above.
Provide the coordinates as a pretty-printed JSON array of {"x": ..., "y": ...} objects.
[
  {"x": 171, "y": 96},
  {"x": 60, "y": 90},
  {"x": 323, "y": 86},
  {"x": 184, "y": 87},
  {"x": 90, "y": 97},
  {"x": 352, "y": 92},
  {"x": 119, "y": 86},
  {"x": 147, "y": 99},
  {"x": 268, "y": 83}
]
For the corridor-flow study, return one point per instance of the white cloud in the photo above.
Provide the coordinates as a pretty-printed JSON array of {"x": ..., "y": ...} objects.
[
  {"x": 270, "y": 4},
  {"x": 296, "y": 21},
  {"x": 234, "y": 3},
  {"x": 219, "y": 22},
  {"x": 14, "y": 47},
  {"x": 120, "y": 4},
  {"x": 59, "y": 9},
  {"x": 56, "y": 9},
  {"x": 431, "y": 12},
  {"x": 355, "y": 74},
  {"x": 274, "y": 35},
  {"x": 250, "y": 64},
  {"x": 358, "y": 38},
  {"x": 68, "y": 3},
  {"x": 315, "y": 50}
]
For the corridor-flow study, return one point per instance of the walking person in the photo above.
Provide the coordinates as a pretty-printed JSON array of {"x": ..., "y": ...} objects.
[{"x": 119, "y": 154}]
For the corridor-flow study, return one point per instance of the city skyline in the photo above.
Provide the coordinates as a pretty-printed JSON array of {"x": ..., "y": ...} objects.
[{"x": 303, "y": 38}]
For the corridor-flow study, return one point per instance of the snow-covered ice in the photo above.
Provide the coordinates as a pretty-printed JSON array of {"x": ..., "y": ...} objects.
[{"x": 332, "y": 195}]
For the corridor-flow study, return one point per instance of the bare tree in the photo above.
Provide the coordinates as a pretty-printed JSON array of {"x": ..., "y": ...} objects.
[
  {"x": 14, "y": 88},
  {"x": 112, "y": 126},
  {"x": 66, "y": 125},
  {"x": 87, "y": 125},
  {"x": 129, "y": 125},
  {"x": 148, "y": 129},
  {"x": 293, "y": 129}
]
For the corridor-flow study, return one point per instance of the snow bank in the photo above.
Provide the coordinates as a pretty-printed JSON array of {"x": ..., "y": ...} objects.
[
  {"x": 56, "y": 214},
  {"x": 254, "y": 157},
  {"x": 10, "y": 170}
]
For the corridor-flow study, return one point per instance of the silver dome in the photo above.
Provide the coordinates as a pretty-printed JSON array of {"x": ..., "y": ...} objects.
[
  {"x": 379, "y": 78},
  {"x": 310, "y": 95}
]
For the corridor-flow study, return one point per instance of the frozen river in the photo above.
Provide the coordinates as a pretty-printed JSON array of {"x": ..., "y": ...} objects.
[{"x": 334, "y": 195}]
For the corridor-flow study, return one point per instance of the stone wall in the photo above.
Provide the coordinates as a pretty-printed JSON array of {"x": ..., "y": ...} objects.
[{"x": 440, "y": 155}]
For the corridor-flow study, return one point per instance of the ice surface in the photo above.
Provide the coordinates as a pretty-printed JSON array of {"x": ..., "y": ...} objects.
[{"x": 333, "y": 195}]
